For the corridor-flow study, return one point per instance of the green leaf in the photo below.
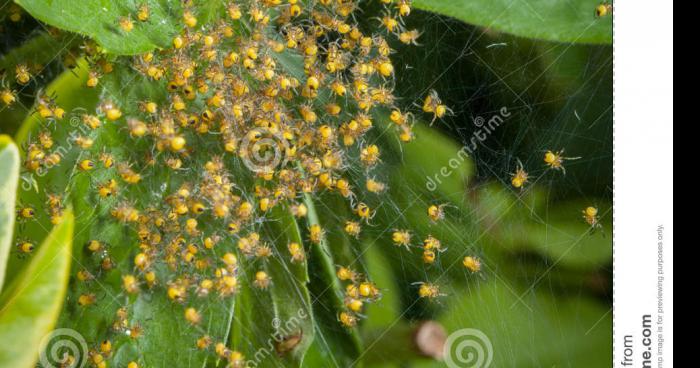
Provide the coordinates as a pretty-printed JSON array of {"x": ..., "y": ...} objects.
[
  {"x": 326, "y": 289},
  {"x": 100, "y": 21},
  {"x": 538, "y": 330},
  {"x": 526, "y": 223},
  {"x": 275, "y": 327},
  {"x": 562, "y": 21},
  {"x": 9, "y": 167},
  {"x": 432, "y": 164},
  {"x": 290, "y": 295},
  {"x": 567, "y": 239},
  {"x": 30, "y": 306},
  {"x": 527, "y": 327}
]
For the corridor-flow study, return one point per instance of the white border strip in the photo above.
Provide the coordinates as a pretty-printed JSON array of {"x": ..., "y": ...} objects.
[{"x": 643, "y": 183}]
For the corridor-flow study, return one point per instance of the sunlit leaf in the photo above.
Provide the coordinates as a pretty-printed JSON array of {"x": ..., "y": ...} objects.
[
  {"x": 9, "y": 167},
  {"x": 30, "y": 305}
]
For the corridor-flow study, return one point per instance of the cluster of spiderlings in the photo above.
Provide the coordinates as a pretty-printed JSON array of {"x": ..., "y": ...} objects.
[
  {"x": 224, "y": 86},
  {"x": 99, "y": 355},
  {"x": 229, "y": 100},
  {"x": 358, "y": 292}
]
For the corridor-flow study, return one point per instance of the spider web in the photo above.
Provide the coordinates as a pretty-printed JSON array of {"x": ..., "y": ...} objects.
[{"x": 538, "y": 304}]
